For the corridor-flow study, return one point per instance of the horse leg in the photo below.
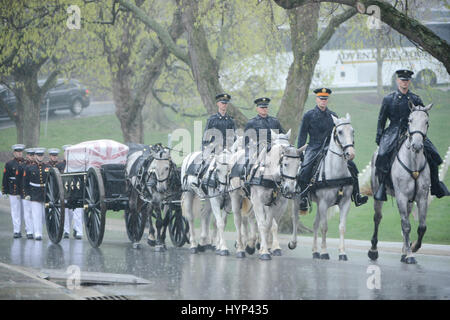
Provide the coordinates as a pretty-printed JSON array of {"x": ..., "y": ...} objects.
[
  {"x": 322, "y": 210},
  {"x": 220, "y": 216},
  {"x": 151, "y": 240},
  {"x": 373, "y": 252},
  {"x": 344, "y": 207},
  {"x": 276, "y": 249},
  {"x": 422, "y": 206},
  {"x": 316, "y": 254},
  {"x": 165, "y": 222},
  {"x": 159, "y": 224},
  {"x": 404, "y": 208},
  {"x": 187, "y": 202},
  {"x": 263, "y": 226},
  {"x": 251, "y": 241},
  {"x": 205, "y": 241},
  {"x": 295, "y": 207},
  {"x": 236, "y": 208}
]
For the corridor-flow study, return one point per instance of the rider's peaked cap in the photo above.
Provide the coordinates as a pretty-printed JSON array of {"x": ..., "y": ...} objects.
[
  {"x": 223, "y": 97},
  {"x": 404, "y": 74},
  {"x": 262, "y": 102},
  {"x": 322, "y": 93}
]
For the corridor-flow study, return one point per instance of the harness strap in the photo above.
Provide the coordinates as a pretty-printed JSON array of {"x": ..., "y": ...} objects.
[{"x": 413, "y": 174}]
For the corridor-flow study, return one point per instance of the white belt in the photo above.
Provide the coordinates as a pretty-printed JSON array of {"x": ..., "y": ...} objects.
[
  {"x": 12, "y": 178},
  {"x": 37, "y": 185}
]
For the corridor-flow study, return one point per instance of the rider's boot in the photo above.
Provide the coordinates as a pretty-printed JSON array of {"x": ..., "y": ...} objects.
[
  {"x": 380, "y": 195},
  {"x": 358, "y": 198},
  {"x": 438, "y": 188},
  {"x": 304, "y": 199}
]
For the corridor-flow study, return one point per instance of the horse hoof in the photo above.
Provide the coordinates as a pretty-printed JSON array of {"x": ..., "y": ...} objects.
[
  {"x": 325, "y": 256},
  {"x": 201, "y": 248},
  {"x": 276, "y": 252},
  {"x": 410, "y": 260},
  {"x": 160, "y": 248},
  {"x": 193, "y": 250},
  {"x": 240, "y": 254},
  {"x": 343, "y": 257},
  {"x": 316, "y": 255},
  {"x": 373, "y": 254},
  {"x": 403, "y": 258},
  {"x": 151, "y": 243},
  {"x": 136, "y": 245},
  {"x": 292, "y": 245},
  {"x": 224, "y": 253},
  {"x": 249, "y": 250},
  {"x": 415, "y": 247},
  {"x": 208, "y": 247},
  {"x": 265, "y": 256}
]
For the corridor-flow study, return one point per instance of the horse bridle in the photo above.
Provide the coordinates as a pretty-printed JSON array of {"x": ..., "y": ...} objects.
[
  {"x": 168, "y": 173},
  {"x": 338, "y": 142},
  {"x": 285, "y": 176},
  {"x": 411, "y": 133}
]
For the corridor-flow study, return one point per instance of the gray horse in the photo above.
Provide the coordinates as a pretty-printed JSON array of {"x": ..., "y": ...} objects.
[
  {"x": 410, "y": 176},
  {"x": 334, "y": 168}
]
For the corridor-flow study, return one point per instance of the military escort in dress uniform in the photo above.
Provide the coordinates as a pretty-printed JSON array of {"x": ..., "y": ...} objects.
[
  {"x": 318, "y": 124},
  {"x": 259, "y": 129},
  {"x": 220, "y": 122},
  {"x": 27, "y": 213},
  {"x": 395, "y": 107},
  {"x": 11, "y": 187},
  {"x": 34, "y": 184}
]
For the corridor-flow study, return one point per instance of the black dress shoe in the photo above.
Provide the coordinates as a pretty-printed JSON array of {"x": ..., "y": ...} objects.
[
  {"x": 78, "y": 237},
  {"x": 38, "y": 238},
  {"x": 30, "y": 236},
  {"x": 380, "y": 195},
  {"x": 66, "y": 235},
  {"x": 17, "y": 235}
]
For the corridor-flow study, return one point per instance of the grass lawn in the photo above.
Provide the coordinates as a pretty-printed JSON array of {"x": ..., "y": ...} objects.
[{"x": 363, "y": 108}]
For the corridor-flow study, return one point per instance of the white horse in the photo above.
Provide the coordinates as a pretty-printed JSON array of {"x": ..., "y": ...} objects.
[
  {"x": 273, "y": 178},
  {"x": 339, "y": 189},
  {"x": 410, "y": 176},
  {"x": 241, "y": 206},
  {"x": 217, "y": 200}
]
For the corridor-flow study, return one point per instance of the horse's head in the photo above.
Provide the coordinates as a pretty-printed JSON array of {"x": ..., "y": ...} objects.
[
  {"x": 280, "y": 138},
  {"x": 289, "y": 164},
  {"x": 282, "y": 163},
  {"x": 343, "y": 135},
  {"x": 160, "y": 168},
  {"x": 418, "y": 126},
  {"x": 221, "y": 167}
]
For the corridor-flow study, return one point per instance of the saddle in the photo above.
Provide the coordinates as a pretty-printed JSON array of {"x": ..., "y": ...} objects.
[{"x": 198, "y": 169}]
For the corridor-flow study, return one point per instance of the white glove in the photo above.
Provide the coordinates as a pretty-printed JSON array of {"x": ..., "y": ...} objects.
[
  {"x": 27, "y": 198},
  {"x": 5, "y": 196}
]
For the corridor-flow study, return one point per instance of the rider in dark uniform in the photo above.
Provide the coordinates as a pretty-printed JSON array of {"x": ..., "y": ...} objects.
[
  {"x": 258, "y": 129},
  {"x": 220, "y": 122},
  {"x": 318, "y": 124},
  {"x": 395, "y": 107}
]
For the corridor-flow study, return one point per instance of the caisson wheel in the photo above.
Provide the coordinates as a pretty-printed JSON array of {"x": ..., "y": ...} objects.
[{"x": 54, "y": 205}]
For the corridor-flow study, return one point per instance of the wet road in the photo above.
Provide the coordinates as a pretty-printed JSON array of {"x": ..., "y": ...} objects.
[{"x": 177, "y": 274}]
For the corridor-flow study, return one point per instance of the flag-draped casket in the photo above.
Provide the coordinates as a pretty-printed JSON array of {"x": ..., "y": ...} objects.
[{"x": 95, "y": 153}]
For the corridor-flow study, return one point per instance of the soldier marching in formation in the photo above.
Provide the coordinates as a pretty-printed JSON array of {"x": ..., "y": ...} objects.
[
  {"x": 27, "y": 213},
  {"x": 11, "y": 186}
]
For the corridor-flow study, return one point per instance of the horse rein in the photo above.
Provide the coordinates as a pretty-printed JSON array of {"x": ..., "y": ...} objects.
[{"x": 411, "y": 133}]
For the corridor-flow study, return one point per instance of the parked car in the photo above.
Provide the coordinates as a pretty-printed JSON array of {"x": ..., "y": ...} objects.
[{"x": 66, "y": 94}]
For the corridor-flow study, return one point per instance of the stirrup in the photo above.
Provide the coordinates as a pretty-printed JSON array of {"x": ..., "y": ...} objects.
[{"x": 360, "y": 199}]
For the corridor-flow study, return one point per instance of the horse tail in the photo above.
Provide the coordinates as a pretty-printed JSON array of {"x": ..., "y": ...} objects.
[{"x": 246, "y": 207}]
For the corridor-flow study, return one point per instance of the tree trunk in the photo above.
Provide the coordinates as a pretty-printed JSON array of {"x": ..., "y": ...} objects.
[
  {"x": 204, "y": 67},
  {"x": 303, "y": 25}
]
